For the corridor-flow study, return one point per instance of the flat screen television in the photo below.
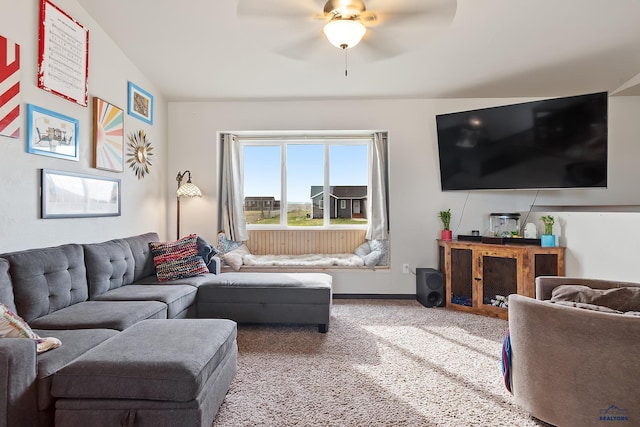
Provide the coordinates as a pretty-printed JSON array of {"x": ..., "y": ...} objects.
[{"x": 548, "y": 144}]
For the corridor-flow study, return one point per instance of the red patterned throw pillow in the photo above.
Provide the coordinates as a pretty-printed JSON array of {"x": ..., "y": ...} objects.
[{"x": 177, "y": 259}]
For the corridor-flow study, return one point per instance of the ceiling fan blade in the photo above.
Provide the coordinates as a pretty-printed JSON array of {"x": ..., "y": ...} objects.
[
  {"x": 278, "y": 8},
  {"x": 376, "y": 48},
  {"x": 304, "y": 48},
  {"x": 432, "y": 13}
]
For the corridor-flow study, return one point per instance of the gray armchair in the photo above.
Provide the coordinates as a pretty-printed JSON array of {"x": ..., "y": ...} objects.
[{"x": 572, "y": 366}]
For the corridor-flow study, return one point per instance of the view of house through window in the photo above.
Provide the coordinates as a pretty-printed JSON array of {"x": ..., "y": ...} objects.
[{"x": 302, "y": 184}]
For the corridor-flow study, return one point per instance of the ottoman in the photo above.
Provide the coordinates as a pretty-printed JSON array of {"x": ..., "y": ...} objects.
[
  {"x": 272, "y": 297},
  {"x": 160, "y": 372}
]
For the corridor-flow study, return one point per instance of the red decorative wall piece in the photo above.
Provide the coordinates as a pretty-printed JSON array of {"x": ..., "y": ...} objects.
[{"x": 9, "y": 88}]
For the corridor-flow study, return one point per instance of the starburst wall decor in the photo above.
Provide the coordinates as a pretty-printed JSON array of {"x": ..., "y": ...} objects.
[{"x": 139, "y": 152}]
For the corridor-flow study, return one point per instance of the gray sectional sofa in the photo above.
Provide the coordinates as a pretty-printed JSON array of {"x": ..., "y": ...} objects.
[{"x": 104, "y": 298}]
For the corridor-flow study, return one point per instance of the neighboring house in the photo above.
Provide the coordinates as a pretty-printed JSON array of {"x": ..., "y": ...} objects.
[
  {"x": 261, "y": 203},
  {"x": 345, "y": 201}
]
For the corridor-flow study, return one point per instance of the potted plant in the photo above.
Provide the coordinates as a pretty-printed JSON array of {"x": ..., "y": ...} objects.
[
  {"x": 548, "y": 238},
  {"x": 445, "y": 217}
]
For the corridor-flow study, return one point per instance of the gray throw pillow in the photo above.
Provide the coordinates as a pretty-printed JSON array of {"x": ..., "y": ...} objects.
[
  {"x": 382, "y": 246},
  {"x": 372, "y": 259},
  {"x": 363, "y": 250}
]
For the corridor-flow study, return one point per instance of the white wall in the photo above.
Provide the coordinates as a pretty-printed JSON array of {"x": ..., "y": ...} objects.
[
  {"x": 414, "y": 180},
  {"x": 600, "y": 244},
  {"x": 143, "y": 202}
]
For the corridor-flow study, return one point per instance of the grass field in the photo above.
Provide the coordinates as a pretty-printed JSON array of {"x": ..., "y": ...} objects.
[{"x": 299, "y": 219}]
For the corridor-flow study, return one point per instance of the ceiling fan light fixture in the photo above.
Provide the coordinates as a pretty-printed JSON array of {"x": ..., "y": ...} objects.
[{"x": 344, "y": 33}]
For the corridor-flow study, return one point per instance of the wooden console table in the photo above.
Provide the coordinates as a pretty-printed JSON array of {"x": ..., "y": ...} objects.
[{"x": 475, "y": 273}]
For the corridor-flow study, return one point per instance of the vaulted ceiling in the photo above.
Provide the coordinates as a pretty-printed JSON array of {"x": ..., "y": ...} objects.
[{"x": 275, "y": 49}]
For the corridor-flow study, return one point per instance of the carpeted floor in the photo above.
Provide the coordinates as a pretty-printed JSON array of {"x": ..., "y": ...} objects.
[{"x": 382, "y": 363}]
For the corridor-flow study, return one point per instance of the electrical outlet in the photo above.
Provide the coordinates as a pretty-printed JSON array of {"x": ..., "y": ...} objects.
[{"x": 405, "y": 268}]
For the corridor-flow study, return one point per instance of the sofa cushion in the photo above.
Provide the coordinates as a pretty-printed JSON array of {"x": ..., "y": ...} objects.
[
  {"x": 621, "y": 299},
  {"x": 177, "y": 297},
  {"x": 194, "y": 281},
  {"x": 141, "y": 251},
  {"x": 48, "y": 279},
  {"x": 6, "y": 289},
  {"x": 117, "y": 315},
  {"x": 177, "y": 259},
  {"x": 76, "y": 343},
  {"x": 169, "y": 360},
  {"x": 109, "y": 266}
]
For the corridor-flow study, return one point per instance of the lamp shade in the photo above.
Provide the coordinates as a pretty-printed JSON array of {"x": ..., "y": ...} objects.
[
  {"x": 188, "y": 189},
  {"x": 344, "y": 33}
]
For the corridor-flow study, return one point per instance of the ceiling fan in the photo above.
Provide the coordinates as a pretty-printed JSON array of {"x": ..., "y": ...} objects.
[
  {"x": 344, "y": 28},
  {"x": 348, "y": 22}
]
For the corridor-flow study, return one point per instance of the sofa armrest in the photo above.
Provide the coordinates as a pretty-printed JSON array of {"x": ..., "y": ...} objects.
[
  {"x": 546, "y": 284},
  {"x": 18, "y": 373},
  {"x": 215, "y": 264}
]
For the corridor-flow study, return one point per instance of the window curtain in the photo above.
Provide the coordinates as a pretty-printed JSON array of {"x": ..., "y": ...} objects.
[
  {"x": 230, "y": 212},
  {"x": 378, "y": 202}
]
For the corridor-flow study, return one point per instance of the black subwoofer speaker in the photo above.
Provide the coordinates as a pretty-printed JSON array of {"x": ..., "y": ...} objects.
[{"x": 430, "y": 287}]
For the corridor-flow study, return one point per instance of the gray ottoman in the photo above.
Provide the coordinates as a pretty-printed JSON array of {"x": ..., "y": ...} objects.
[
  {"x": 169, "y": 372},
  {"x": 268, "y": 298}
]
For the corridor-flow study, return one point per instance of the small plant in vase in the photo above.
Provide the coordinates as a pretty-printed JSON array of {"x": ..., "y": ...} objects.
[
  {"x": 445, "y": 217},
  {"x": 548, "y": 238}
]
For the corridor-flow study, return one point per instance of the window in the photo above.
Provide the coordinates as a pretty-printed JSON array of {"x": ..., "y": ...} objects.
[
  {"x": 262, "y": 184},
  {"x": 300, "y": 178}
]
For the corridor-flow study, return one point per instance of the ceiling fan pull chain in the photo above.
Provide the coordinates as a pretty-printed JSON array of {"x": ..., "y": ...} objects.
[{"x": 346, "y": 65}]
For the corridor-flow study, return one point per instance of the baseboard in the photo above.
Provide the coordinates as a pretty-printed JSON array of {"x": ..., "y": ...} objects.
[{"x": 374, "y": 296}]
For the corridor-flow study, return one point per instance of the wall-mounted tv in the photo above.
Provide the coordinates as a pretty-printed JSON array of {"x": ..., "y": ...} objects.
[{"x": 553, "y": 143}]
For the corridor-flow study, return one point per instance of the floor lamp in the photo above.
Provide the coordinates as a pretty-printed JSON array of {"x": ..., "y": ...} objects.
[{"x": 188, "y": 189}]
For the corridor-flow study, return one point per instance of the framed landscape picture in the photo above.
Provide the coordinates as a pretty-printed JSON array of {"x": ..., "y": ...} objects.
[
  {"x": 51, "y": 134},
  {"x": 74, "y": 195},
  {"x": 108, "y": 136},
  {"x": 140, "y": 103}
]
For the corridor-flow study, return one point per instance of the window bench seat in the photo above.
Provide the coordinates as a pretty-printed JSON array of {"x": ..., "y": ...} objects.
[
  {"x": 305, "y": 250},
  {"x": 298, "y": 269}
]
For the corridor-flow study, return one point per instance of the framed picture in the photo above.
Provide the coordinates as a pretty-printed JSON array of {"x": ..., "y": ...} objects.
[
  {"x": 74, "y": 195},
  {"x": 108, "y": 136},
  {"x": 140, "y": 104},
  {"x": 63, "y": 54},
  {"x": 10, "y": 119},
  {"x": 51, "y": 134}
]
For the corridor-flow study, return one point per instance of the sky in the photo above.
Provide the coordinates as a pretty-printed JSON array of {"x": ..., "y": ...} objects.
[{"x": 305, "y": 167}]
